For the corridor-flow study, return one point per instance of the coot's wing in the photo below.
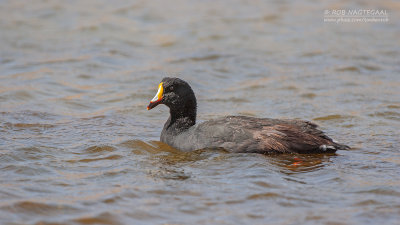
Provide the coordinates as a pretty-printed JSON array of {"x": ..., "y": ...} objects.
[{"x": 263, "y": 135}]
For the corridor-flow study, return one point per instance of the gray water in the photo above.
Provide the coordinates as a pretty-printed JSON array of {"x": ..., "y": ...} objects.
[{"x": 77, "y": 145}]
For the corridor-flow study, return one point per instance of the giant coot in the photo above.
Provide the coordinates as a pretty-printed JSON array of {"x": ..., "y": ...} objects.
[{"x": 233, "y": 133}]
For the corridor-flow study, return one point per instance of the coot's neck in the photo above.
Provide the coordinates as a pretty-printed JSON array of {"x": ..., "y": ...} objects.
[{"x": 182, "y": 115}]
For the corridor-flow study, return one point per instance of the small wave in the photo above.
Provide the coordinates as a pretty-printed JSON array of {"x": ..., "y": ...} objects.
[
  {"x": 174, "y": 192},
  {"x": 271, "y": 18},
  {"x": 199, "y": 57},
  {"x": 110, "y": 157},
  {"x": 266, "y": 195},
  {"x": 63, "y": 60},
  {"x": 333, "y": 117},
  {"x": 367, "y": 203},
  {"x": 141, "y": 147},
  {"x": 371, "y": 67},
  {"x": 35, "y": 207},
  {"x": 29, "y": 171},
  {"x": 28, "y": 125},
  {"x": 169, "y": 174},
  {"x": 381, "y": 191},
  {"x": 390, "y": 115},
  {"x": 265, "y": 184},
  {"x": 232, "y": 99},
  {"x": 348, "y": 69},
  {"x": 249, "y": 85},
  {"x": 18, "y": 94},
  {"x": 308, "y": 95},
  {"x": 312, "y": 54},
  {"x": 393, "y": 106},
  {"x": 30, "y": 153},
  {"x": 27, "y": 115},
  {"x": 100, "y": 148},
  {"x": 102, "y": 218}
]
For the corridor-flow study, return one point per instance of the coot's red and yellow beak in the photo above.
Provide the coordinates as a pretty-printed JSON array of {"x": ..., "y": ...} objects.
[{"x": 157, "y": 99}]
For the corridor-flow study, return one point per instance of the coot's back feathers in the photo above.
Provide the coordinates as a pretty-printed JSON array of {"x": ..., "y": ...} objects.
[
  {"x": 259, "y": 135},
  {"x": 235, "y": 133}
]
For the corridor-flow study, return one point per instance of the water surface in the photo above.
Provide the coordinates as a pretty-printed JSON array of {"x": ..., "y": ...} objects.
[{"x": 77, "y": 145}]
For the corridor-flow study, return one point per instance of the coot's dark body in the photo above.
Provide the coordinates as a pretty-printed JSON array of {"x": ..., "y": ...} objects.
[
  {"x": 248, "y": 134},
  {"x": 234, "y": 133}
]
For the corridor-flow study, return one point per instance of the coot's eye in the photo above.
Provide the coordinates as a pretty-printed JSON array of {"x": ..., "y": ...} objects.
[{"x": 168, "y": 89}]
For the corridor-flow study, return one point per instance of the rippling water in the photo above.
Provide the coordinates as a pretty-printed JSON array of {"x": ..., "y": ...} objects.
[{"x": 77, "y": 145}]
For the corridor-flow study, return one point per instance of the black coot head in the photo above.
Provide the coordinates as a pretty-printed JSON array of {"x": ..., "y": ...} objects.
[{"x": 174, "y": 93}]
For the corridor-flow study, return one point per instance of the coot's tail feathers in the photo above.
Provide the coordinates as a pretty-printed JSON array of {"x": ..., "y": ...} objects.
[
  {"x": 341, "y": 146},
  {"x": 333, "y": 148}
]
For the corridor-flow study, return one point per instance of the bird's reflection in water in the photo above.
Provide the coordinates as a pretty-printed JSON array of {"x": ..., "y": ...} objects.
[
  {"x": 290, "y": 164},
  {"x": 169, "y": 163}
]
